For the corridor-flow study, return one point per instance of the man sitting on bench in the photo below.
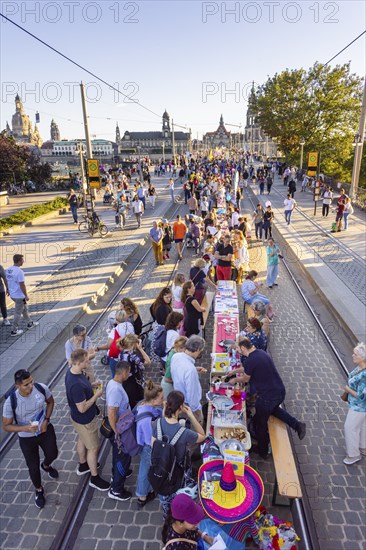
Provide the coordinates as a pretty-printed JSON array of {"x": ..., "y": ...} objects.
[{"x": 260, "y": 370}]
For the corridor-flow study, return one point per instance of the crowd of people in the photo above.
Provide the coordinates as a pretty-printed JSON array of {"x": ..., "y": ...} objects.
[{"x": 141, "y": 413}]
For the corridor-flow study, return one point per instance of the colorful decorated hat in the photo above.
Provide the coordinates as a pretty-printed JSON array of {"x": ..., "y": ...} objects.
[{"x": 234, "y": 498}]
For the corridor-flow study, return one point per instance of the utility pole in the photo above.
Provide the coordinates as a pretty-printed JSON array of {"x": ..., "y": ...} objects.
[
  {"x": 89, "y": 154},
  {"x": 358, "y": 147},
  {"x": 173, "y": 142},
  {"x": 302, "y": 143}
]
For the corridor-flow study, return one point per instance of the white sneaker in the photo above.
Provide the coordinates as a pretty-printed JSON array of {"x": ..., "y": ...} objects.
[
  {"x": 6, "y": 322},
  {"x": 351, "y": 460},
  {"x": 33, "y": 324},
  {"x": 17, "y": 332}
]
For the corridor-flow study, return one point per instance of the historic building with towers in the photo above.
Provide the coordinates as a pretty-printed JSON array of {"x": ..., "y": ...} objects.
[
  {"x": 154, "y": 143},
  {"x": 55, "y": 132},
  {"x": 257, "y": 142},
  {"x": 219, "y": 138},
  {"x": 21, "y": 126}
]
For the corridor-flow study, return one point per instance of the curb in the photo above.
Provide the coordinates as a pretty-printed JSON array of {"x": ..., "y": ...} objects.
[{"x": 35, "y": 221}]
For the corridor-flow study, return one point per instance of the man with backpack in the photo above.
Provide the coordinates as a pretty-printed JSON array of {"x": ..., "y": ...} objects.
[
  {"x": 27, "y": 411},
  {"x": 117, "y": 403}
]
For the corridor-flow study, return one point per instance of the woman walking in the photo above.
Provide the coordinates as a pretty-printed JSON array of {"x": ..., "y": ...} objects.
[
  {"x": 355, "y": 425},
  {"x": 272, "y": 251},
  {"x": 268, "y": 218}
]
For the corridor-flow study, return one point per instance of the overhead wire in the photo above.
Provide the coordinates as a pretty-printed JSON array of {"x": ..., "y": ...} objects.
[{"x": 348, "y": 45}]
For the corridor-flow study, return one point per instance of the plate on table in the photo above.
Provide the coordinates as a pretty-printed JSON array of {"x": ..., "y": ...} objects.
[
  {"x": 222, "y": 402},
  {"x": 231, "y": 445}
]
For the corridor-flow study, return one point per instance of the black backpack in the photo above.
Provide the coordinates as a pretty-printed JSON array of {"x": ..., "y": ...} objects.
[
  {"x": 159, "y": 344},
  {"x": 165, "y": 474},
  {"x": 13, "y": 398}
]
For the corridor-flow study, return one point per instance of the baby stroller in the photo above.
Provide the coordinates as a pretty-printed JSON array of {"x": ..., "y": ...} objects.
[{"x": 108, "y": 197}]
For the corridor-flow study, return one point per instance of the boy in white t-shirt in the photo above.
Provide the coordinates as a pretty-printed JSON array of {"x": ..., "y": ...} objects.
[{"x": 18, "y": 293}]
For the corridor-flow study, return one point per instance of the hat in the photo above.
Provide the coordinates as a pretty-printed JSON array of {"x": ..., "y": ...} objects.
[
  {"x": 234, "y": 497},
  {"x": 164, "y": 220},
  {"x": 183, "y": 508}
]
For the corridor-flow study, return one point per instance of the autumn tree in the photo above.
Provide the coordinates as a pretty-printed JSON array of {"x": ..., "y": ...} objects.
[{"x": 321, "y": 106}]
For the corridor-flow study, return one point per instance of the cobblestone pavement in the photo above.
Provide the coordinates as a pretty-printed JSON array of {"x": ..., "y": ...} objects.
[
  {"x": 313, "y": 382},
  {"x": 338, "y": 256},
  {"x": 59, "y": 276}
]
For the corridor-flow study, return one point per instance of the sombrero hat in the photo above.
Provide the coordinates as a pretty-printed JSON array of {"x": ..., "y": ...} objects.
[{"x": 234, "y": 498}]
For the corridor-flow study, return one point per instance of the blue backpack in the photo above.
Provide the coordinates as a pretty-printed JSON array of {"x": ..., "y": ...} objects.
[
  {"x": 126, "y": 431},
  {"x": 159, "y": 344}
]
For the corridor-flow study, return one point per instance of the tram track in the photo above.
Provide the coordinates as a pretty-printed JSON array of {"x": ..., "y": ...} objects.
[
  {"x": 301, "y": 508},
  {"x": 75, "y": 512}
]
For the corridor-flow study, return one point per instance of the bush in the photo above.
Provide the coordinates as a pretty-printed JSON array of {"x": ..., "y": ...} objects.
[{"x": 32, "y": 212}]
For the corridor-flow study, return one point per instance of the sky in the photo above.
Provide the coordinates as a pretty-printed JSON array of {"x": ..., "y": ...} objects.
[{"x": 195, "y": 59}]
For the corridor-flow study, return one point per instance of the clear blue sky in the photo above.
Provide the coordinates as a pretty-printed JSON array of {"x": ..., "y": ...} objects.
[{"x": 181, "y": 56}]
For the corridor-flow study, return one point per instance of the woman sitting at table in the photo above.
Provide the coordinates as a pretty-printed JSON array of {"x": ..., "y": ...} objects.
[
  {"x": 180, "y": 528},
  {"x": 249, "y": 292},
  {"x": 259, "y": 310},
  {"x": 255, "y": 333}
]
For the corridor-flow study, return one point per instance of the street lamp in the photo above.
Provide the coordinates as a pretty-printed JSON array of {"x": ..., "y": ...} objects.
[
  {"x": 302, "y": 143},
  {"x": 358, "y": 145}
]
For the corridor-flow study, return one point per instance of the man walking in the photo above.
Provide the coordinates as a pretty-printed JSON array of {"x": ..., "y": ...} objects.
[
  {"x": 73, "y": 202},
  {"x": 141, "y": 193},
  {"x": 18, "y": 293},
  {"x": 185, "y": 374},
  {"x": 260, "y": 369},
  {"x": 290, "y": 204},
  {"x": 171, "y": 189},
  {"x": 327, "y": 201},
  {"x": 137, "y": 207},
  {"x": 27, "y": 412},
  {"x": 84, "y": 417},
  {"x": 156, "y": 236},
  {"x": 179, "y": 233},
  {"x": 258, "y": 221},
  {"x": 117, "y": 403}
]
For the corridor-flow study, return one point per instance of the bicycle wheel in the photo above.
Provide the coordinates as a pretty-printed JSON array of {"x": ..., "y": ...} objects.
[
  {"x": 91, "y": 228},
  {"x": 103, "y": 230},
  {"x": 83, "y": 227}
]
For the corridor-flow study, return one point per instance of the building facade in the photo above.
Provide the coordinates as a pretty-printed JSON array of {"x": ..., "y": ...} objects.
[
  {"x": 21, "y": 126},
  {"x": 219, "y": 138},
  {"x": 68, "y": 150},
  {"x": 256, "y": 140},
  {"x": 154, "y": 143}
]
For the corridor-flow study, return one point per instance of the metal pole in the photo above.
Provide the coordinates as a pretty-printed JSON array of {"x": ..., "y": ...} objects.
[
  {"x": 301, "y": 154},
  {"x": 86, "y": 127},
  {"x": 359, "y": 147},
  {"x": 173, "y": 142},
  {"x": 83, "y": 181}
]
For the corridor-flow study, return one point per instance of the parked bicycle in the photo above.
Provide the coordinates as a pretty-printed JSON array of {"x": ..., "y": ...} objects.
[{"x": 93, "y": 225}]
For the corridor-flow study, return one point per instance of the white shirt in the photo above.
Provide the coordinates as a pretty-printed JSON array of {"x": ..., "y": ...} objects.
[
  {"x": 123, "y": 329},
  {"x": 235, "y": 218},
  {"x": 137, "y": 206},
  {"x": 289, "y": 204},
  {"x": 171, "y": 337},
  {"x": 177, "y": 292},
  {"x": 327, "y": 197},
  {"x": 185, "y": 379},
  {"x": 14, "y": 276}
]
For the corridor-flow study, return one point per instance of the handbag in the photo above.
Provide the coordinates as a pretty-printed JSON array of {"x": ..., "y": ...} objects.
[
  {"x": 106, "y": 429},
  {"x": 344, "y": 396}
]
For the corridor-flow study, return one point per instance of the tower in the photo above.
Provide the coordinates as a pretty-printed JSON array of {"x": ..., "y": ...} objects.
[
  {"x": 118, "y": 134},
  {"x": 221, "y": 120},
  {"x": 55, "y": 132},
  {"x": 166, "y": 124}
]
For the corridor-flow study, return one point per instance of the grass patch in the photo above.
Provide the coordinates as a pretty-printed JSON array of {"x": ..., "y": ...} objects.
[{"x": 32, "y": 213}]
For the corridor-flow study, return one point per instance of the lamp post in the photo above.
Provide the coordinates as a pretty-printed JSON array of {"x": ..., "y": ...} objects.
[
  {"x": 163, "y": 150},
  {"x": 302, "y": 143},
  {"x": 358, "y": 144}
]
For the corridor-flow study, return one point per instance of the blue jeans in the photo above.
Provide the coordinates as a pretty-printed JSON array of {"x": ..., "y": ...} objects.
[
  {"x": 143, "y": 485},
  {"x": 345, "y": 219},
  {"x": 112, "y": 365},
  {"x": 258, "y": 230},
  {"x": 172, "y": 194},
  {"x": 288, "y": 216},
  {"x": 120, "y": 465},
  {"x": 74, "y": 211},
  {"x": 258, "y": 297},
  {"x": 263, "y": 410},
  {"x": 272, "y": 273}
]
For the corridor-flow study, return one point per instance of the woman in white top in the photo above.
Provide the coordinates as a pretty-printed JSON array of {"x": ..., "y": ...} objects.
[
  {"x": 348, "y": 209},
  {"x": 121, "y": 330},
  {"x": 172, "y": 326},
  {"x": 178, "y": 283}
]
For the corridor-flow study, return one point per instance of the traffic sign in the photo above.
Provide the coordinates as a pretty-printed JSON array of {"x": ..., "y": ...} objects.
[{"x": 93, "y": 168}]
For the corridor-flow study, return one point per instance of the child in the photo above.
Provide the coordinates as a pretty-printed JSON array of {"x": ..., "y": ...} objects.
[
  {"x": 152, "y": 403},
  {"x": 178, "y": 283}
]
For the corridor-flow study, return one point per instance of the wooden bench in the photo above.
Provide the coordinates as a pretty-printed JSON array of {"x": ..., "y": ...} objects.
[
  {"x": 287, "y": 483},
  {"x": 207, "y": 304}
]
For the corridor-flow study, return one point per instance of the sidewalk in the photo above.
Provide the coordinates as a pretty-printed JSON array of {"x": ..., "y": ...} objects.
[
  {"x": 64, "y": 270},
  {"x": 19, "y": 202},
  {"x": 334, "y": 262}
]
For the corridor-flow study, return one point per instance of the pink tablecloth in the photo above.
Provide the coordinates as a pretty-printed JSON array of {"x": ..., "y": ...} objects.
[{"x": 227, "y": 328}]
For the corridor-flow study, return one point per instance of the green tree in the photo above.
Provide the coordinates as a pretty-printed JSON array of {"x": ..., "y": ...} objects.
[
  {"x": 321, "y": 106},
  {"x": 13, "y": 160}
]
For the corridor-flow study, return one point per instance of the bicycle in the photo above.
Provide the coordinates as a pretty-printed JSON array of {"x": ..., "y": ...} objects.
[{"x": 92, "y": 226}]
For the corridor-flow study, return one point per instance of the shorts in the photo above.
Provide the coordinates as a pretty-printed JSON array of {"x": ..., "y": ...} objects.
[
  {"x": 178, "y": 240},
  {"x": 339, "y": 217},
  {"x": 88, "y": 433}
]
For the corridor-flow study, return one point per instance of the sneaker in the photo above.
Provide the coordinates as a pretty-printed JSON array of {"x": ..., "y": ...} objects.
[
  {"x": 6, "y": 323},
  {"x": 99, "y": 483},
  {"x": 123, "y": 495},
  {"x": 52, "y": 472},
  {"x": 40, "y": 500},
  {"x": 363, "y": 452},
  {"x": 149, "y": 498},
  {"x": 351, "y": 460},
  {"x": 129, "y": 473},
  {"x": 17, "y": 332},
  {"x": 270, "y": 286},
  {"x": 33, "y": 324},
  {"x": 84, "y": 469},
  {"x": 301, "y": 430}
]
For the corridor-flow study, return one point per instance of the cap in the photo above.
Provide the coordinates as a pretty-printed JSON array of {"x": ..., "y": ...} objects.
[
  {"x": 185, "y": 509},
  {"x": 164, "y": 220}
]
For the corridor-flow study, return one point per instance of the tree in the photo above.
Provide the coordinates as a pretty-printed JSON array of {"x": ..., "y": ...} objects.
[
  {"x": 13, "y": 160},
  {"x": 321, "y": 106},
  {"x": 39, "y": 172}
]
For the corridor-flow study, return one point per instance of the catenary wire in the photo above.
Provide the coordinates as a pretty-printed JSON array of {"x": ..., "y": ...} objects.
[{"x": 348, "y": 45}]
